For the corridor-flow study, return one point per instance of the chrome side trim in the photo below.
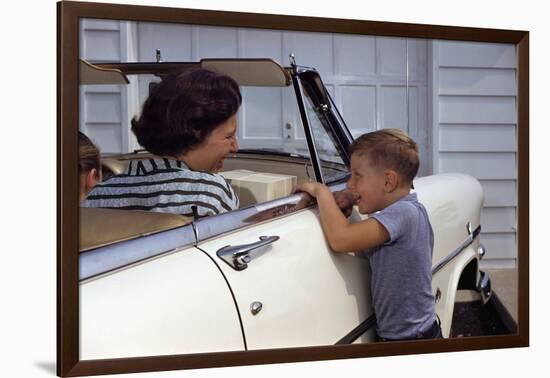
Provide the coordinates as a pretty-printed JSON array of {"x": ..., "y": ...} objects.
[
  {"x": 209, "y": 227},
  {"x": 105, "y": 259},
  {"x": 469, "y": 240}
]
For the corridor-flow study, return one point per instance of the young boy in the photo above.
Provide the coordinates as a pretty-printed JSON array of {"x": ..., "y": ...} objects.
[{"x": 397, "y": 235}]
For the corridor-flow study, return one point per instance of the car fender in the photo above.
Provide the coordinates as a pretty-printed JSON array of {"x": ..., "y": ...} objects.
[
  {"x": 453, "y": 202},
  {"x": 175, "y": 303},
  {"x": 445, "y": 284}
]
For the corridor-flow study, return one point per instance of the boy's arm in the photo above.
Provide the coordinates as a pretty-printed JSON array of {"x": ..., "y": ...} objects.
[{"x": 341, "y": 235}]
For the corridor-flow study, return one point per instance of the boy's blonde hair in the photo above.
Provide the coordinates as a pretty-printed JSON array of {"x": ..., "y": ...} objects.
[{"x": 389, "y": 149}]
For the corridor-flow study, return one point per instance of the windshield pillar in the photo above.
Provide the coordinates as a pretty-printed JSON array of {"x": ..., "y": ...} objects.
[{"x": 307, "y": 129}]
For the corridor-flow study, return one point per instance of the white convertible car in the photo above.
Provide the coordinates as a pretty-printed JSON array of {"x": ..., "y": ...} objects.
[{"x": 262, "y": 276}]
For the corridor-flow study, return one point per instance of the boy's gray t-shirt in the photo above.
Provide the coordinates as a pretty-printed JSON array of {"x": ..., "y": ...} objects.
[{"x": 401, "y": 283}]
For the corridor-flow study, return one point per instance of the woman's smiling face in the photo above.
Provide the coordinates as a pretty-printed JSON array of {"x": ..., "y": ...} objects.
[{"x": 222, "y": 141}]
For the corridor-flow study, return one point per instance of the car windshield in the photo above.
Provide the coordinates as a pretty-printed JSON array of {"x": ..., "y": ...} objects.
[
  {"x": 325, "y": 146},
  {"x": 270, "y": 122}
]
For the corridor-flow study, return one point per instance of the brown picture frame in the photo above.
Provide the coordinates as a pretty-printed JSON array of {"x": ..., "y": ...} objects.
[{"x": 68, "y": 15}]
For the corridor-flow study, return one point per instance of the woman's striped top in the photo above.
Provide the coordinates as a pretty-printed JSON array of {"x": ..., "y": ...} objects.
[{"x": 166, "y": 186}]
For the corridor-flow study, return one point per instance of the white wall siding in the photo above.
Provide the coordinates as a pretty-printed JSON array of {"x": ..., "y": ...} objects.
[
  {"x": 475, "y": 132},
  {"x": 499, "y": 193},
  {"x": 501, "y": 250},
  {"x": 105, "y": 111},
  {"x": 216, "y": 42},
  {"x": 484, "y": 166},
  {"x": 476, "y": 55},
  {"x": 264, "y": 104},
  {"x": 366, "y": 76},
  {"x": 100, "y": 40},
  {"x": 477, "y": 138},
  {"x": 359, "y": 106},
  {"x": 261, "y": 43},
  {"x": 477, "y": 81},
  {"x": 499, "y": 219},
  {"x": 310, "y": 49},
  {"x": 477, "y": 109},
  {"x": 353, "y": 55}
]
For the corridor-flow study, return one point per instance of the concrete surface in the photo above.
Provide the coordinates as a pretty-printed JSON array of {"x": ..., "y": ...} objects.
[{"x": 504, "y": 283}]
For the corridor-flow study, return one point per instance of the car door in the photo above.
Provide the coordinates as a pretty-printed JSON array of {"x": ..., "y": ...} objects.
[{"x": 294, "y": 291}]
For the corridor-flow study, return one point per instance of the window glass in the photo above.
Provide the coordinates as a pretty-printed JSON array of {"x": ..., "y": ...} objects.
[{"x": 332, "y": 165}]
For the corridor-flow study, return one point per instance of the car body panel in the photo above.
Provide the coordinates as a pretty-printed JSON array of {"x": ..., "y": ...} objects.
[
  {"x": 452, "y": 201},
  {"x": 310, "y": 295},
  {"x": 172, "y": 304},
  {"x": 178, "y": 296},
  {"x": 446, "y": 281}
]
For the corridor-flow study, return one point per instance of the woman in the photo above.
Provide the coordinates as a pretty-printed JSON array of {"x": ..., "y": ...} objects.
[
  {"x": 89, "y": 166},
  {"x": 189, "y": 122}
]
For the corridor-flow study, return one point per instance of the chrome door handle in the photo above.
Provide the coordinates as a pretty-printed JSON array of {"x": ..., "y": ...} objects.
[{"x": 239, "y": 256}]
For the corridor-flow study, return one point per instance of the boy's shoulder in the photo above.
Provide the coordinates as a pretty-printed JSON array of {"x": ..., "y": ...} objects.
[
  {"x": 400, "y": 217},
  {"x": 407, "y": 205}
]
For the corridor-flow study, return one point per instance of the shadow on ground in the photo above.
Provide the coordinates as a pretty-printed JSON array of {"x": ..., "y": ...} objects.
[
  {"x": 48, "y": 367},
  {"x": 475, "y": 319}
]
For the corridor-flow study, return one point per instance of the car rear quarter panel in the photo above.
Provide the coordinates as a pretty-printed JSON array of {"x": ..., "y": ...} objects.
[
  {"x": 446, "y": 280},
  {"x": 452, "y": 201},
  {"x": 173, "y": 304}
]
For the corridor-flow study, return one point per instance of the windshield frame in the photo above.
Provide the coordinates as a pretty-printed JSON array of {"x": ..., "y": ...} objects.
[{"x": 307, "y": 82}]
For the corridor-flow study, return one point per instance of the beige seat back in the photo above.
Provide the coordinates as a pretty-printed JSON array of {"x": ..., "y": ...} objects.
[{"x": 100, "y": 227}]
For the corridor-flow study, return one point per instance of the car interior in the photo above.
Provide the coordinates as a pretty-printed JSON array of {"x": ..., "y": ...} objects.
[{"x": 257, "y": 176}]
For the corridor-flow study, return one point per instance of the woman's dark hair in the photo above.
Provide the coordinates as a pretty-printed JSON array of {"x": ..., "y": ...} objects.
[
  {"x": 183, "y": 109},
  {"x": 88, "y": 154}
]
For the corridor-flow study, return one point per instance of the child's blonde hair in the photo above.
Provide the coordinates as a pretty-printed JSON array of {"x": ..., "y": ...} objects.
[{"x": 389, "y": 149}]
